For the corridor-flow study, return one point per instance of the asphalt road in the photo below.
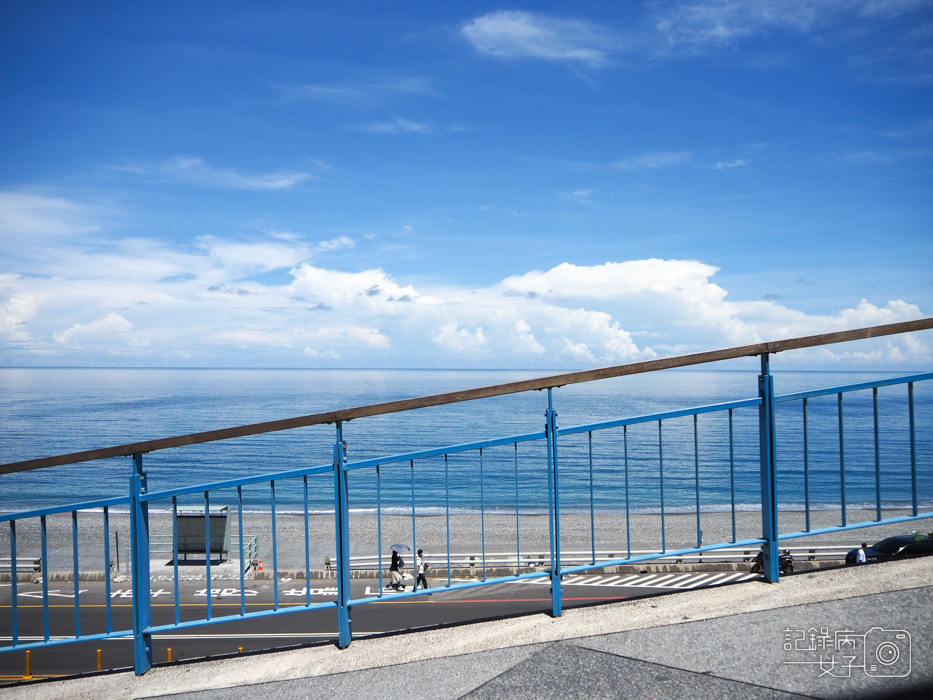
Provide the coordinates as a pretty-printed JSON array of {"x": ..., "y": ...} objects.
[{"x": 301, "y": 627}]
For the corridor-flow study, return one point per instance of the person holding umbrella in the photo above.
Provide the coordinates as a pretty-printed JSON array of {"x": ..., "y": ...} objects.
[{"x": 397, "y": 566}]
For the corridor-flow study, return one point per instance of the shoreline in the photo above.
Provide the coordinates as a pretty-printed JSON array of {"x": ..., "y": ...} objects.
[{"x": 467, "y": 533}]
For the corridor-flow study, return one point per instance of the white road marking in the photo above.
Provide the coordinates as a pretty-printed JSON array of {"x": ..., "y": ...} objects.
[{"x": 679, "y": 581}]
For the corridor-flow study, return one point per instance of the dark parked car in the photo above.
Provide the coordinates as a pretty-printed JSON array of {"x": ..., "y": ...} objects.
[{"x": 897, "y": 547}]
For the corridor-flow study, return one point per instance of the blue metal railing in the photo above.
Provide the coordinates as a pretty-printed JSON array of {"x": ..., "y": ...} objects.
[{"x": 670, "y": 473}]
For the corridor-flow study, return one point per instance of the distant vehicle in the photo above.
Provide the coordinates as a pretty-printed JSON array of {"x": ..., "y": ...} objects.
[{"x": 897, "y": 547}]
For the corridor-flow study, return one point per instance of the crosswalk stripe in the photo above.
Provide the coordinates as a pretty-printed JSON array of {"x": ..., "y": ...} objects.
[
  {"x": 652, "y": 581},
  {"x": 676, "y": 580},
  {"x": 692, "y": 581}
]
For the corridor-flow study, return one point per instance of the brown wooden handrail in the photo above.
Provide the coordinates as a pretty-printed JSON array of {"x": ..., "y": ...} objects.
[{"x": 540, "y": 383}]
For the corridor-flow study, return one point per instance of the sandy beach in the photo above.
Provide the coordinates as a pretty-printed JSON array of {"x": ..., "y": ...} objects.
[{"x": 430, "y": 532}]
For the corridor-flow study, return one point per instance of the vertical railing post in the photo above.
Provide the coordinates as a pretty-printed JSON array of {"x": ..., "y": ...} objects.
[
  {"x": 769, "y": 517},
  {"x": 342, "y": 528},
  {"x": 553, "y": 507},
  {"x": 913, "y": 450},
  {"x": 139, "y": 533}
]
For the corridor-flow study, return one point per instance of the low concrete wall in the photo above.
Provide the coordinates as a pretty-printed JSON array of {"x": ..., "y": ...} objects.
[{"x": 494, "y": 572}]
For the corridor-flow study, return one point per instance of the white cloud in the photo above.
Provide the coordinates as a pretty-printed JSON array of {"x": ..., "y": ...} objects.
[
  {"x": 195, "y": 171},
  {"x": 517, "y": 34},
  {"x": 525, "y": 342},
  {"x": 244, "y": 258},
  {"x": 248, "y": 338},
  {"x": 109, "y": 334},
  {"x": 739, "y": 163},
  {"x": 577, "y": 351},
  {"x": 710, "y": 22},
  {"x": 396, "y": 126},
  {"x": 348, "y": 334},
  {"x": 359, "y": 90},
  {"x": 408, "y": 126},
  {"x": 460, "y": 340},
  {"x": 334, "y": 244},
  {"x": 654, "y": 161},
  {"x": 36, "y": 215},
  {"x": 215, "y": 303},
  {"x": 15, "y": 314}
]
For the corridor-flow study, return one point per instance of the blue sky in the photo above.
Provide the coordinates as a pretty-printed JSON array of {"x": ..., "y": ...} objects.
[{"x": 424, "y": 184}]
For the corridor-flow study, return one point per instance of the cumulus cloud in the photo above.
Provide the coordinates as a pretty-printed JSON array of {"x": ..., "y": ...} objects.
[
  {"x": 110, "y": 334},
  {"x": 517, "y": 34},
  {"x": 15, "y": 314},
  {"x": 459, "y": 340}
]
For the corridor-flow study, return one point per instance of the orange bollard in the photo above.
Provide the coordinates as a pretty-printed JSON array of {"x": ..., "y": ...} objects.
[
  {"x": 98, "y": 660},
  {"x": 28, "y": 673},
  {"x": 241, "y": 650},
  {"x": 170, "y": 654}
]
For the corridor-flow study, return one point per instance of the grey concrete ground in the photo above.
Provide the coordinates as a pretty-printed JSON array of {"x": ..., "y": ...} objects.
[{"x": 749, "y": 640}]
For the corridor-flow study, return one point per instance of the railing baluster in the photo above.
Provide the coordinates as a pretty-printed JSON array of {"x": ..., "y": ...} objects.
[
  {"x": 76, "y": 569},
  {"x": 518, "y": 537},
  {"x": 308, "y": 548},
  {"x": 732, "y": 474},
  {"x": 14, "y": 605},
  {"x": 45, "y": 575},
  {"x": 842, "y": 462},
  {"x": 913, "y": 449},
  {"x": 696, "y": 468},
  {"x": 628, "y": 518},
  {"x": 414, "y": 532},
  {"x": 592, "y": 505},
  {"x": 806, "y": 466},
  {"x": 482, "y": 511},
  {"x": 379, "y": 525},
  {"x": 107, "y": 605},
  {"x": 175, "y": 582},
  {"x": 661, "y": 473},
  {"x": 447, "y": 510},
  {"x": 207, "y": 552},
  {"x": 242, "y": 567},
  {"x": 874, "y": 401},
  {"x": 275, "y": 552}
]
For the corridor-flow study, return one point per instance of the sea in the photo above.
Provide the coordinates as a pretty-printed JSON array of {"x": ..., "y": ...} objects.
[{"x": 678, "y": 465}]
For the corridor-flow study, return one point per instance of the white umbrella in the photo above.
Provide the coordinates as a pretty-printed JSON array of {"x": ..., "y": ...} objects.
[{"x": 401, "y": 548}]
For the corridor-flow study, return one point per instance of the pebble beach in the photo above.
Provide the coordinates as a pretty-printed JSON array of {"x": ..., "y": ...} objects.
[{"x": 611, "y": 532}]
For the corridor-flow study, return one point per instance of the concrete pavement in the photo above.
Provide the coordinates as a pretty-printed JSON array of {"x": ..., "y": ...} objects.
[{"x": 852, "y": 632}]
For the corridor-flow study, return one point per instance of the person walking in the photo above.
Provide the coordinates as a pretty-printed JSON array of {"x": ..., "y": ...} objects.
[
  {"x": 395, "y": 571},
  {"x": 421, "y": 568}
]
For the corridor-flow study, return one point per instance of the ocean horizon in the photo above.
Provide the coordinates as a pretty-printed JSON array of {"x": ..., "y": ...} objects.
[{"x": 52, "y": 411}]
